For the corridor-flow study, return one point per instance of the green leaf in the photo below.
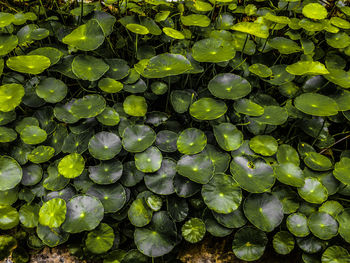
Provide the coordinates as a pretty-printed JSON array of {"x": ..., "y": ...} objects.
[
  {"x": 213, "y": 50},
  {"x": 104, "y": 145},
  {"x": 71, "y": 165},
  {"x": 149, "y": 161},
  {"x": 30, "y": 64},
  {"x": 249, "y": 243},
  {"x": 87, "y": 67},
  {"x": 222, "y": 194},
  {"x": 307, "y": 68},
  {"x": 315, "y": 11},
  {"x": 193, "y": 230},
  {"x": 208, "y": 109},
  {"x": 252, "y": 174},
  {"x": 229, "y": 86},
  {"x": 10, "y": 173},
  {"x": 86, "y": 37},
  {"x": 135, "y": 106},
  {"x": 256, "y": 29},
  {"x": 198, "y": 167},
  {"x": 316, "y": 104},
  {"x": 191, "y": 141},
  {"x": 100, "y": 240},
  {"x": 10, "y": 96},
  {"x": 84, "y": 213},
  {"x": 264, "y": 211},
  {"x": 53, "y": 213}
]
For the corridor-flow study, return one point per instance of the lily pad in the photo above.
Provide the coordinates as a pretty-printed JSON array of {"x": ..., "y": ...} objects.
[
  {"x": 29, "y": 215},
  {"x": 10, "y": 96},
  {"x": 229, "y": 86},
  {"x": 157, "y": 239},
  {"x": 53, "y": 213},
  {"x": 9, "y": 217},
  {"x": 33, "y": 135},
  {"x": 208, "y": 109},
  {"x": 113, "y": 197},
  {"x": 161, "y": 182},
  {"x": 313, "y": 191},
  {"x": 264, "y": 211},
  {"x": 84, "y": 213},
  {"x": 7, "y": 44},
  {"x": 41, "y": 154},
  {"x": 297, "y": 225},
  {"x": 51, "y": 237},
  {"x": 106, "y": 172},
  {"x": 118, "y": 68},
  {"x": 342, "y": 170},
  {"x": 52, "y": 90},
  {"x": 323, "y": 225},
  {"x": 317, "y": 162},
  {"x": 343, "y": 219},
  {"x": 253, "y": 175},
  {"x": 307, "y": 68},
  {"x": 195, "y": 20},
  {"x": 7, "y": 134},
  {"x": 213, "y": 50},
  {"x": 86, "y": 37},
  {"x": 110, "y": 85},
  {"x": 52, "y": 53},
  {"x": 284, "y": 45},
  {"x": 316, "y": 104},
  {"x": 248, "y": 107},
  {"x": 228, "y": 136},
  {"x": 198, "y": 167},
  {"x": 315, "y": 11},
  {"x": 180, "y": 100},
  {"x": 149, "y": 161},
  {"x": 264, "y": 144},
  {"x": 287, "y": 154},
  {"x": 173, "y": 33},
  {"x": 137, "y": 29},
  {"x": 260, "y": 70},
  {"x": 256, "y": 29},
  {"x": 100, "y": 240},
  {"x": 191, "y": 141},
  {"x": 71, "y": 166},
  {"x": 139, "y": 213},
  {"x": 137, "y": 138},
  {"x": 88, "y": 106},
  {"x": 222, "y": 194},
  {"x": 30, "y": 64},
  {"x": 10, "y": 173},
  {"x": 290, "y": 174},
  {"x": 163, "y": 65},
  {"x": 193, "y": 230},
  {"x": 166, "y": 141},
  {"x": 135, "y": 106},
  {"x": 249, "y": 243},
  {"x": 335, "y": 254},
  {"x": 283, "y": 242},
  {"x": 87, "y": 67},
  {"x": 104, "y": 145}
]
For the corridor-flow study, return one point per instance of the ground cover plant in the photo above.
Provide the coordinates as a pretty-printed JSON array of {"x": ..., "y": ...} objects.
[{"x": 132, "y": 128}]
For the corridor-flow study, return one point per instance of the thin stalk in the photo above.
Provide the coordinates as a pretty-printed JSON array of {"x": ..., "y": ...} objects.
[
  {"x": 340, "y": 140},
  {"x": 42, "y": 6},
  {"x": 319, "y": 132},
  {"x": 245, "y": 43},
  {"x": 81, "y": 11}
]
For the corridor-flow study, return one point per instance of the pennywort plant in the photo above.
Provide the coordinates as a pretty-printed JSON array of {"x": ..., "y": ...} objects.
[{"x": 130, "y": 128}]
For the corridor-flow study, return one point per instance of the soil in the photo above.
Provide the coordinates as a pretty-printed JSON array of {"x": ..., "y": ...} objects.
[
  {"x": 210, "y": 250},
  {"x": 51, "y": 255},
  {"x": 218, "y": 250}
]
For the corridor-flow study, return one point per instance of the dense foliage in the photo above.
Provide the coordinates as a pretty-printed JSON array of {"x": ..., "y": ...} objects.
[{"x": 130, "y": 127}]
